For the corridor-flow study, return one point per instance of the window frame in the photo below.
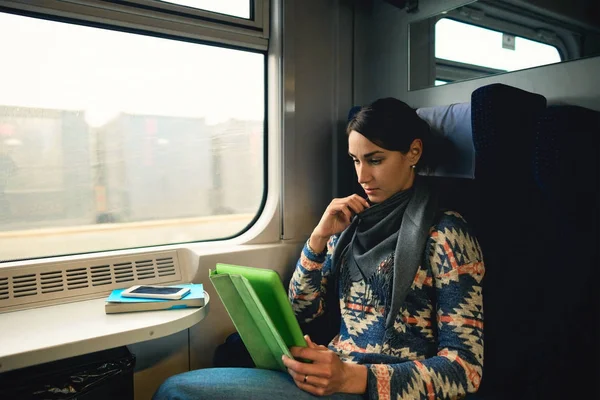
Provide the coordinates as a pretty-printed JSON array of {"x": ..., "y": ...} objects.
[
  {"x": 452, "y": 71},
  {"x": 458, "y": 71},
  {"x": 255, "y": 21},
  {"x": 168, "y": 20},
  {"x": 485, "y": 21}
]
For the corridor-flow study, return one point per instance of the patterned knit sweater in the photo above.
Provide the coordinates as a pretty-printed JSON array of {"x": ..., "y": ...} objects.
[{"x": 435, "y": 348}]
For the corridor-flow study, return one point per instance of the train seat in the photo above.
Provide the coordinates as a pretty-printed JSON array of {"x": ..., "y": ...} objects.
[
  {"x": 532, "y": 198},
  {"x": 453, "y": 176},
  {"x": 504, "y": 119},
  {"x": 500, "y": 199},
  {"x": 566, "y": 171}
]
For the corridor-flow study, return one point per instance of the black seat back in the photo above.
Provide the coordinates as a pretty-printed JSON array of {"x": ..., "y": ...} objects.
[
  {"x": 566, "y": 172},
  {"x": 504, "y": 120}
]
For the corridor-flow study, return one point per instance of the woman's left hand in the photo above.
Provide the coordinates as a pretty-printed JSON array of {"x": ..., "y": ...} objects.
[{"x": 327, "y": 374}]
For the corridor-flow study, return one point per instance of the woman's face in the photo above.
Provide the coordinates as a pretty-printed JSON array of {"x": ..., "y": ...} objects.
[{"x": 382, "y": 173}]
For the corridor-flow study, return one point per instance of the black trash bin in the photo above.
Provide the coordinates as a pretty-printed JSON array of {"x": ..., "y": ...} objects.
[{"x": 106, "y": 374}]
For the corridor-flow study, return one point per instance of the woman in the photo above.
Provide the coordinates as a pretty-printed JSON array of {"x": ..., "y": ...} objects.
[{"x": 403, "y": 278}]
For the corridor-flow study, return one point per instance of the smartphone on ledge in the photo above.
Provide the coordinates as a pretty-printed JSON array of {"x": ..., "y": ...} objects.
[{"x": 156, "y": 292}]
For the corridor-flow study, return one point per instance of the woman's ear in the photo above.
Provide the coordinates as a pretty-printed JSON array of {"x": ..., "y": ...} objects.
[{"x": 415, "y": 151}]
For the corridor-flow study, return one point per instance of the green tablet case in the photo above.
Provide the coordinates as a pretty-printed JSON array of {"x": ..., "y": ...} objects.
[{"x": 261, "y": 312}]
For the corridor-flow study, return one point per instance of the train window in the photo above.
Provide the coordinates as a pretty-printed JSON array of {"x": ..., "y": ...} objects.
[
  {"x": 236, "y": 8},
  {"x": 113, "y": 140},
  {"x": 474, "y": 46}
]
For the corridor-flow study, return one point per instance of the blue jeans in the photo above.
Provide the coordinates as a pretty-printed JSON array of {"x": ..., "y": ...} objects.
[{"x": 236, "y": 383}]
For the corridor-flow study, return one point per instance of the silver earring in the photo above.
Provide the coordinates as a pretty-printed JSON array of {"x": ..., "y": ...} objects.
[{"x": 413, "y": 166}]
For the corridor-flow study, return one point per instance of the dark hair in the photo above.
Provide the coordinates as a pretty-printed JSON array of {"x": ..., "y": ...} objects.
[{"x": 393, "y": 125}]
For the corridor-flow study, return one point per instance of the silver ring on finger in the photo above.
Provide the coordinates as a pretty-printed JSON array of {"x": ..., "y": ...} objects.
[{"x": 305, "y": 378}]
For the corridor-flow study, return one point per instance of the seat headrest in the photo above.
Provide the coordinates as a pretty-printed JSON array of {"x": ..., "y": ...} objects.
[
  {"x": 452, "y": 123},
  {"x": 504, "y": 120}
]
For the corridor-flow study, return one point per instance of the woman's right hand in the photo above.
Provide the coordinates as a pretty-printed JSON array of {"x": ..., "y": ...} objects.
[{"x": 335, "y": 219}]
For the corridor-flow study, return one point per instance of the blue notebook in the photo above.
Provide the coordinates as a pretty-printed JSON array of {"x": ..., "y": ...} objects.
[{"x": 115, "y": 303}]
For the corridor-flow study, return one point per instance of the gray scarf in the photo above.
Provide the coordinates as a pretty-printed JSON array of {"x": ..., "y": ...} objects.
[
  {"x": 399, "y": 225},
  {"x": 376, "y": 235}
]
